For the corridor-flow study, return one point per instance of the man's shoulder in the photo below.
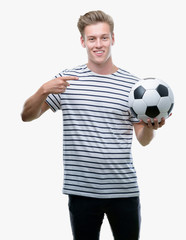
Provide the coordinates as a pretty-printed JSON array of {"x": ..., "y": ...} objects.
[
  {"x": 127, "y": 74},
  {"x": 126, "y": 77}
]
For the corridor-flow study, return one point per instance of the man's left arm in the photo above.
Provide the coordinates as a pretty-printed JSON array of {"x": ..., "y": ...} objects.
[{"x": 145, "y": 131}]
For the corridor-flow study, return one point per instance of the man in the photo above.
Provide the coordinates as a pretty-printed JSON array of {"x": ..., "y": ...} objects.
[{"x": 99, "y": 175}]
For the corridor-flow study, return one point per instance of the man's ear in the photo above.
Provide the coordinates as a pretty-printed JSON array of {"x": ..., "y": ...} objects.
[
  {"x": 82, "y": 41},
  {"x": 113, "y": 39}
]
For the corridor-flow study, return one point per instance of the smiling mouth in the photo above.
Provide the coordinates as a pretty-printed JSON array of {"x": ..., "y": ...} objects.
[{"x": 99, "y": 53}]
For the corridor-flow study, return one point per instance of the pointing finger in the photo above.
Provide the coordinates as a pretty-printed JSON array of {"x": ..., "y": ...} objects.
[{"x": 66, "y": 78}]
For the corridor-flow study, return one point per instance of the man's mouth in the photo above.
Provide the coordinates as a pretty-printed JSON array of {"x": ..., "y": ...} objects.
[{"x": 99, "y": 53}]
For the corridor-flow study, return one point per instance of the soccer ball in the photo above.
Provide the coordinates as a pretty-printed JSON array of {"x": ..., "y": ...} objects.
[{"x": 151, "y": 98}]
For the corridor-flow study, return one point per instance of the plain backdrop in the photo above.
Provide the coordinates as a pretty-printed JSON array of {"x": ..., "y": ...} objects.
[{"x": 39, "y": 39}]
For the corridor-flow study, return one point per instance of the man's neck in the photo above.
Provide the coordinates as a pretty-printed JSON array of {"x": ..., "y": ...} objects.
[{"x": 102, "y": 69}]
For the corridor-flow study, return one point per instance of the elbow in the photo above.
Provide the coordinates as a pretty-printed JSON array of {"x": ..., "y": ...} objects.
[
  {"x": 144, "y": 144},
  {"x": 25, "y": 114},
  {"x": 23, "y": 117},
  {"x": 26, "y": 117}
]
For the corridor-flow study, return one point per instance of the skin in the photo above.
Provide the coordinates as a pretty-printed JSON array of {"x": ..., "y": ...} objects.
[{"x": 98, "y": 41}]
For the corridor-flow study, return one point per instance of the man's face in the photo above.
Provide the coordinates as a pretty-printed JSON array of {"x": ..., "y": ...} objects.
[{"x": 98, "y": 41}]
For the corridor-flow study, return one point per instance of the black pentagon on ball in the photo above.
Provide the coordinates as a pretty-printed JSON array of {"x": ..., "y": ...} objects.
[
  {"x": 162, "y": 90},
  {"x": 139, "y": 92},
  {"x": 133, "y": 112},
  {"x": 152, "y": 111}
]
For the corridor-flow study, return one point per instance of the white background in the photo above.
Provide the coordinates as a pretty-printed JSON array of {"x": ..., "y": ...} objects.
[{"x": 39, "y": 39}]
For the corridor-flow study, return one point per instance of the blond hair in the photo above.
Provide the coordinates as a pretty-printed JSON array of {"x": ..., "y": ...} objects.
[{"x": 94, "y": 17}]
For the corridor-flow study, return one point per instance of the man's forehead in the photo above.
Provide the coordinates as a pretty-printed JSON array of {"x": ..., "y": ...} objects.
[{"x": 97, "y": 29}]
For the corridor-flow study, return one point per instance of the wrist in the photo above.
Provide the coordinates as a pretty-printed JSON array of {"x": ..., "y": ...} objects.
[{"x": 44, "y": 91}]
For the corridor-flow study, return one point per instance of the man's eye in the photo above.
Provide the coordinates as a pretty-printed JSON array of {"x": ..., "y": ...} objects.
[{"x": 105, "y": 38}]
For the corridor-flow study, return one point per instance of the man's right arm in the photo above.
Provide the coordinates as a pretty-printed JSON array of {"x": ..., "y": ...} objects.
[{"x": 35, "y": 106}]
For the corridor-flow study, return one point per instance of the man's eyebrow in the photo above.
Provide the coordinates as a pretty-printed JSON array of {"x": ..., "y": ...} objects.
[{"x": 104, "y": 34}]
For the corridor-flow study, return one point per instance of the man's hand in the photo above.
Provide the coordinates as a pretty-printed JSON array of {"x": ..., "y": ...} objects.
[
  {"x": 155, "y": 125},
  {"x": 57, "y": 85}
]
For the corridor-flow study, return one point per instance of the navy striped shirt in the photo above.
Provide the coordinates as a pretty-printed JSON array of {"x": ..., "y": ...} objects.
[{"x": 97, "y": 134}]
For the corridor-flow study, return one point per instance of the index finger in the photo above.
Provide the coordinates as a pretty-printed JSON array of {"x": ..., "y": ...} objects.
[{"x": 66, "y": 78}]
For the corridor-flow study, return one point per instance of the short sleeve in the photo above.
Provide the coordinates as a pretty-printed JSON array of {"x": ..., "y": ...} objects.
[
  {"x": 54, "y": 102},
  {"x": 132, "y": 118}
]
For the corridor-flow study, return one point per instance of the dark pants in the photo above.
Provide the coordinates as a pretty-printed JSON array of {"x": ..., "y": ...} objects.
[{"x": 86, "y": 215}]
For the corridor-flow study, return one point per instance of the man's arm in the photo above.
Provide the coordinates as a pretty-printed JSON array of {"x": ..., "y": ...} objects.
[
  {"x": 35, "y": 106},
  {"x": 145, "y": 131}
]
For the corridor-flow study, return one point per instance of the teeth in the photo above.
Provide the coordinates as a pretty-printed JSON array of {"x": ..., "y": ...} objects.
[{"x": 99, "y": 52}]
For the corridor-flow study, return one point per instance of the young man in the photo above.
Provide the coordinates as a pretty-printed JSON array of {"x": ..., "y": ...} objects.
[{"x": 99, "y": 175}]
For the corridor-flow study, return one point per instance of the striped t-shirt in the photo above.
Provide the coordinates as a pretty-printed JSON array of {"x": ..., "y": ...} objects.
[{"x": 97, "y": 134}]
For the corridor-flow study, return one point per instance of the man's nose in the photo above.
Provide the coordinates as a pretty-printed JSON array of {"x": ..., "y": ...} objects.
[{"x": 98, "y": 43}]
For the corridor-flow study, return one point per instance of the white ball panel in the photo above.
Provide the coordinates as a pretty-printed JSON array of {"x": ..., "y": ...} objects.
[
  {"x": 162, "y": 115},
  {"x": 171, "y": 95},
  {"x": 143, "y": 117},
  {"x": 164, "y": 104},
  {"x": 139, "y": 106},
  {"x": 150, "y": 84},
  {"x": 151, "y": 97}
]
